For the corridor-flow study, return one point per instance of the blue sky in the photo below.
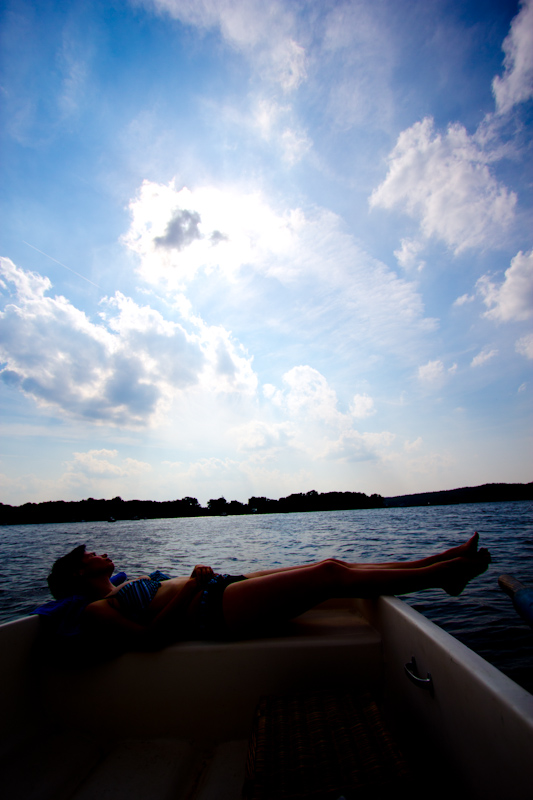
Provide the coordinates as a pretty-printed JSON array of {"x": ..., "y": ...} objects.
[{"x": 254, "y": 247}]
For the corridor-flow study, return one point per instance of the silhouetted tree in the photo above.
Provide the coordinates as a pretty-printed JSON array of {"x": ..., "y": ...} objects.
[{"x": 218, "y": 506}]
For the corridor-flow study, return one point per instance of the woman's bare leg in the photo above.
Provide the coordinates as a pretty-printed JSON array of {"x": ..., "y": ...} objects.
[
  {"x": 267, "y": 599},
  {"x": 466, "y": 550}
]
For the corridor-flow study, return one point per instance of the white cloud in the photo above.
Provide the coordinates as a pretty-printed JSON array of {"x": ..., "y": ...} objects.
[
  {"x": 512, "y": 299},
  {"x": 125, "y": 370},
  {"x": 102, "y": 463},
  {"x": 524, "y": 346},
  {"x": 203, "y": 469},
  {"x": 355, "y": 446},
  {"x": 318, "y": 428},
  {"x": 266, "y": 116},
  {"x": 28, "y": 284},
  {"x": 212, "y": 477},
  {"x": 228, "y": 368},
  {"x": 464, "y": 299},
  {"x": 295, "y": 144},
  {"x": 94, "y": 473},
  {"x": 269, "y": 390},
  {"x": 516, "y": 84},
  {"x": 434, "y": 373},
  {"x": 308, "y": 396},
  {"x": 216, "y": 229},
  {"x": 482, "y": 357},
  {"x": 240, "y": 236},
  {"x": 288, "y": 64},
  {"x": 444, "y": 181},
  {"x": 407, "y": 256},
  {"x": 276, "y": 124},
  {"x": 73, "y": 60},
  {"x": 362, "y": 406},
  {"x": 356, "y": 62},
  {"x": 265, "y": 32},
  {"x": 433, "y": 466},
  {"x": 410, "y": 447},
  {"x": 258, "y": 435}
]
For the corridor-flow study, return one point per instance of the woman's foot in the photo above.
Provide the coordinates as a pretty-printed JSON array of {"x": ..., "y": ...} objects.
[
  {"x": 466, "y": 550},
  {"x": 469, "y": 548},
  {"x": 460, "y": 571}
]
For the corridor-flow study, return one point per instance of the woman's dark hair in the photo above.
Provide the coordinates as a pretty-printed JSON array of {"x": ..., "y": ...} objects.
[{"x": 64, "y": 580}]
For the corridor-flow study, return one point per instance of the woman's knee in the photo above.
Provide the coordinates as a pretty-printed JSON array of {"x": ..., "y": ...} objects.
[
  {"x": 334, "y": 561},
  {"x": 332, "y": 571}
]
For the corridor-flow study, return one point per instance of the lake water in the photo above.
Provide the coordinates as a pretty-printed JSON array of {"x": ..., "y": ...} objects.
[{"x": 483, "y": 617}]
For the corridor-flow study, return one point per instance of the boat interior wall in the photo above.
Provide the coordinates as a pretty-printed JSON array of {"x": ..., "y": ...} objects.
[
  {"x": 479, "y": 720},
  {"x": 162, "y": 691},
  {"x": 18, "y": 689}
]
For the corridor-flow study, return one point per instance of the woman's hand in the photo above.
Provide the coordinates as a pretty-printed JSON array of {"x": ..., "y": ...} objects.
[{"x": 202, "y": 574}]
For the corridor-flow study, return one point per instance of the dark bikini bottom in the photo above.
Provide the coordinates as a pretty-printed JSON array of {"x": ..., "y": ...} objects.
[{"x": 210, "y": 620}]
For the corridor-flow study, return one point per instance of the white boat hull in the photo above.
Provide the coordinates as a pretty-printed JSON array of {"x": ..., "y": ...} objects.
[{"x": 477, "y": 719}]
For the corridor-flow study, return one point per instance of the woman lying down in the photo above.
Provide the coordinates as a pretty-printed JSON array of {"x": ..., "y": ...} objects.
[{"x": 155, "y": 610}]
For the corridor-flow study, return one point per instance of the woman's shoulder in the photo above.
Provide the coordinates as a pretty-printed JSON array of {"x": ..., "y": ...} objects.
[
  {"x": 95, "y": 605},
  {"x": 101, "y": 608}
]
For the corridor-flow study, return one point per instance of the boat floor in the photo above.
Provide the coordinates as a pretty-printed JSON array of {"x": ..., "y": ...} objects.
[{"x": 69, "y": 766}]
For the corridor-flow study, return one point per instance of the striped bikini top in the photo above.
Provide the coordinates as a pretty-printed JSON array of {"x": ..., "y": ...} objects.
[{"x": 135, "y": 597}]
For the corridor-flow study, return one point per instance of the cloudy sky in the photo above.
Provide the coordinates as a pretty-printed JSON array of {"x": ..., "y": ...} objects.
[{"x": 255, "y": 247}]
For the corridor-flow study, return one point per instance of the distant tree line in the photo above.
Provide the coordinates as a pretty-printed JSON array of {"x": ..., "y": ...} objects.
[
  {"x": 92, "y": 510},
  {"x": 488, "y": 493}
]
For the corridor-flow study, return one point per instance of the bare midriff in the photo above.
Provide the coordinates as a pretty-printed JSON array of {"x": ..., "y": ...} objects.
[{"x": 166, "y": 592}]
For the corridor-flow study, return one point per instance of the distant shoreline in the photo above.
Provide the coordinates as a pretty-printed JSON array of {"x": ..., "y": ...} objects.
[
  {"x": 487, "y": 493},
  {"x": 92, "y": 510}
]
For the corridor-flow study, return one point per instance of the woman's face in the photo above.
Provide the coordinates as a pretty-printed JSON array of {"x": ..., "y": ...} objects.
[{"x": 96, "y": 564}]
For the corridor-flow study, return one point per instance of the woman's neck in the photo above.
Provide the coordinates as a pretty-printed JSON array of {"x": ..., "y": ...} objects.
[{"x": 99, "y": 587}]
